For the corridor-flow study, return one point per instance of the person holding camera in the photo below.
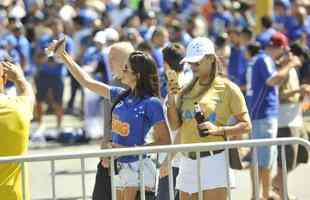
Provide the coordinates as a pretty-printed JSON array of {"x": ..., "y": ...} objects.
[
  {"x": 15, "y": 115},
  {"x": 136, "y": 110},
  {"x": 218, "y": 100}
]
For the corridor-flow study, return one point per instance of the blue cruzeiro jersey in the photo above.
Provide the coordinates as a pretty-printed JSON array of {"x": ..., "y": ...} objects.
[
  {"x": 264, "y": 100},
  {"x": 132, "y": 119}
]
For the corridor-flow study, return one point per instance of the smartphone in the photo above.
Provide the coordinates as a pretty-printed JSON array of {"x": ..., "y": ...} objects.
[{"x": 172, "y": 77}]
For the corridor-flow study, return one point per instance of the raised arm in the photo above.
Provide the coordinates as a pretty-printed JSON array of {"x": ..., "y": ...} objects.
[
  {"x": 15, "y": 73},
  {"x": 58, "y": 47},
  {"x": 282, "y": 74}
]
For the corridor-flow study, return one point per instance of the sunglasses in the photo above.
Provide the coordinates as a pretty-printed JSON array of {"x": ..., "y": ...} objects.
[{"x": 126, "y": 69}]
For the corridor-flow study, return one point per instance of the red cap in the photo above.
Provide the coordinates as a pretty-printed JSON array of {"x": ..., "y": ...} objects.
[{"x": 278, "y": 39}]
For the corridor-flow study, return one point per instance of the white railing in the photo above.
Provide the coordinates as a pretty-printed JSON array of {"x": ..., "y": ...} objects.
[{"x": 198, "y": 147}]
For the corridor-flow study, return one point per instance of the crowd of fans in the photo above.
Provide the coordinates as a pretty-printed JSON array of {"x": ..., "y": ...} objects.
[{"x": 278, "y": 55}]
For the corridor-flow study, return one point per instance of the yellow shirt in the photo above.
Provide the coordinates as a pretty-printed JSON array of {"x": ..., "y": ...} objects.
[
  {"x": 15, "y": 116},
  {"x": 219, "y": 103}
]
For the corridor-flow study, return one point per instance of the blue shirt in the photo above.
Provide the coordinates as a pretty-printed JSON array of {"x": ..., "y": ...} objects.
[
  {"x": 105, "y": 67},
  {"x": 132, "y": 119},
  {"x": 159, "y": 59},
  {"x": 90, "y": 55},
  {"x": 220, "y": 21},
  {"x": 293, "y": 28},
  {"x": 237, "y": 65},
  {"x": 264, "y": 102},
  {"x": 53, "y": 68},
  {"x": 24, "y": 49}
]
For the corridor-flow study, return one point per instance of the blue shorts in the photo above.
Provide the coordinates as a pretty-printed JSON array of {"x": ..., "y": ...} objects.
[
  {"x": 264, "y": 129},
  {"x": 45, "y": 83}
]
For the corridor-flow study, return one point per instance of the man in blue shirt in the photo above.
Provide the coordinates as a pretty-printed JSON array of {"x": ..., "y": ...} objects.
[
  {"x": 281, "y": 13},
  {"x": 8, "y": 43},
  {"x": 237, "y": 61},
  {"x": 160, "y": 39},
  {"x": 22, "y": 46},
  {"x": 220, "y": 20},
  {"x": 264, "y": 103},
  {"x": 50, "y": 72}
]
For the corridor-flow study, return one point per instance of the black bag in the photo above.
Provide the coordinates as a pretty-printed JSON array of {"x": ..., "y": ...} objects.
[
  {"x": 102, "y": 190},
  {"x": 235, "y": 161}
]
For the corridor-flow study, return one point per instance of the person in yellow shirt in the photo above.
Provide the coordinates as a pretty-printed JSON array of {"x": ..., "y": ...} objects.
[
  {"x": 15, "y": 116},
  {"x": 221, "y": 102}
]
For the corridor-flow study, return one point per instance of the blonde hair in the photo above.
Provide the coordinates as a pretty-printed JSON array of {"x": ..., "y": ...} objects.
[{"x": 124, "y": 48}]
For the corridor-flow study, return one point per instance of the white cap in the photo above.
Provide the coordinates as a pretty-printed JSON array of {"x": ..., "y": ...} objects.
[
  {"x": 197, "y": 49},
  {"x": 111, "y": 34},
  {"x": 100, "y": 37},
  {"x": 108, "y": 34}
]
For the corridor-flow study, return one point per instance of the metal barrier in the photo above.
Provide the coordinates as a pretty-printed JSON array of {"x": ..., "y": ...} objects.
[{"x": 198, "y": 147}]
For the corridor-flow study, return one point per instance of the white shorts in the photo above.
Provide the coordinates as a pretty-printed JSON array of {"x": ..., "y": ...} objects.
[
  {"x": 213, "y": 174},
  {"x": 129, "y": 176}
]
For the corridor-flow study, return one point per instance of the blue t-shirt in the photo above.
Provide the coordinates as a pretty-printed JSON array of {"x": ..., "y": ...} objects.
[
  {"x": 294, "y": 29},
  {"x": 90, "y": 55},
  {"x": 264, "y": 102},
  {"x": 237, "y": 65},
  {"x": 53, "y": 68},
  {"x": 220, "y": 21},
  {"x": 24, "y": 49},
  {"x": 132, "y": 119},
  {"x": 159, "y": 59}
]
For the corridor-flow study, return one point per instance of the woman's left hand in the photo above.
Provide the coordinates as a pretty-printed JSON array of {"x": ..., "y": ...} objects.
[{"x": 212, "y": 129}]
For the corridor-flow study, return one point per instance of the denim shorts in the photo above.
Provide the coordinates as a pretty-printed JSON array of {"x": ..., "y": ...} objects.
[
  {"x": 128, "y": 175},
  {"x": 264, "y": 129},
  {"x": 45, "y": 83}
]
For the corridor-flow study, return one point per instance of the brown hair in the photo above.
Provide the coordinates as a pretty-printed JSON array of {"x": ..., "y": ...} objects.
[{"x": 217, "y": 70}]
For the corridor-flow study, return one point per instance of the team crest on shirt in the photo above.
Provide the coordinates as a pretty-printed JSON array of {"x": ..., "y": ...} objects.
[{"x": 119, "y": 127}]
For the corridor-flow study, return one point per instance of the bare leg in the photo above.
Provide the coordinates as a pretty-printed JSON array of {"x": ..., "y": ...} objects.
[
  {"x": 266, "y": 181},
  {"x": 130, "y": 193},
  {"x": 59, "y": 114},
  {"x": 119, "y": 195},
  {"x": 218, "y": 194},
  {"x": 252, "y": 181},
  {"x": 184, "y": 196},
  {"x": 39, "y": 112}
]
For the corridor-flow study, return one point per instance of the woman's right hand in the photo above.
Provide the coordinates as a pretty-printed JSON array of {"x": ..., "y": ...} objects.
[
  {"x": 57, "y": 48},
  {"x": 173, "y": 89},
  {"x": 105, "y": 161}
]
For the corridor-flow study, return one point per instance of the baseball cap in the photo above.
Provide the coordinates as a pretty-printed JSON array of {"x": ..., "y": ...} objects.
[
  {"x": 108, "y": 34},
  {"x": 197, "y": 49},
  {"x": 278, "y": 39}
]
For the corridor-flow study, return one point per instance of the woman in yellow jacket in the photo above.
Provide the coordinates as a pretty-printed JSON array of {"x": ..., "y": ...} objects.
[{"x": 221, "y": 101}]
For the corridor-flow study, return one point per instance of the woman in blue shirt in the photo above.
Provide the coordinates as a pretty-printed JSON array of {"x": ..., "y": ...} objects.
[{"x": 132, "y": 117}]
